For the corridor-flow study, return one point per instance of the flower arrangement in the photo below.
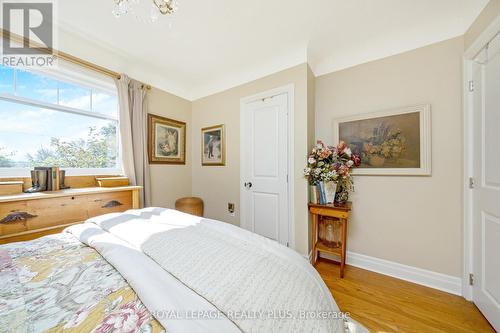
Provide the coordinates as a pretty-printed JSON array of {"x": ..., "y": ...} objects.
[
  {"x": 386, "y": 143},
  {"x": 326, "y": 164}
]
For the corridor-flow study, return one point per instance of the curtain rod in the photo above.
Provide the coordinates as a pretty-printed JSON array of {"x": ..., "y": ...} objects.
[{"x": 5, "y": 34}]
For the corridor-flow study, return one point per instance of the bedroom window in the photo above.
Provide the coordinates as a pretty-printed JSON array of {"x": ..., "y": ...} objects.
[{"x": 65, "y": 117}]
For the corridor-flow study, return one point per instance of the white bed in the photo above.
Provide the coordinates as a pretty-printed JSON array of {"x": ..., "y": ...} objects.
[{"x": 191, "y": 274}]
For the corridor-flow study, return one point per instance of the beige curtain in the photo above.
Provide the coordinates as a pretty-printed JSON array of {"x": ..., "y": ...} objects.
[
  {"x": 133, "y": 132},
  {"x": 139, "y": 118}
]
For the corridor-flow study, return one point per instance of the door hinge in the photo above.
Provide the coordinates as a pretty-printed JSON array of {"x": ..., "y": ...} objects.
[
  {"x": 287, "y": 178},
  {"x": 471, "y": 279},
  {"x": 472, "y": 183},
  {"x": 471, "y": 86},
  {"x": 287, "y": 245}
]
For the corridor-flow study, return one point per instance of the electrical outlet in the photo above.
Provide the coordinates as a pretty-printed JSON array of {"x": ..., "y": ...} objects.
[{"x": 230, "y": 208}]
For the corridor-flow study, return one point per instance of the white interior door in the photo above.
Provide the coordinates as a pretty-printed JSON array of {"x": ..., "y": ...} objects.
[
  {"x": 264, "y": 158},
  {"x": 486, "y": 196}
]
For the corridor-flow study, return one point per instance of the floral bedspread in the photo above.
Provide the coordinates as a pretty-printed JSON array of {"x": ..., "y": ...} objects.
[{"x": 57, "y": 284}]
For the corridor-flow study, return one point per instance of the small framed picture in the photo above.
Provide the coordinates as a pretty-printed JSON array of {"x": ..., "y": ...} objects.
[
  {"x": 166, "y": 140},
  {"x": 213, "y": 145}
]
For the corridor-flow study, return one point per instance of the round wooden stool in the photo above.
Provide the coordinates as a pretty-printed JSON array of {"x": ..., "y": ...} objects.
[{"x": 191, "y": 205}]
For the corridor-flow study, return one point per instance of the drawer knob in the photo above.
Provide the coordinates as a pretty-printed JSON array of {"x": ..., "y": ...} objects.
[
  {"x": 112, "y": 203},
  {"x": 17, "y": 216}
]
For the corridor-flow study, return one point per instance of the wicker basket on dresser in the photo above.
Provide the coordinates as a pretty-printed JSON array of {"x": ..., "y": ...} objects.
[{"x": 29, "y": 216}]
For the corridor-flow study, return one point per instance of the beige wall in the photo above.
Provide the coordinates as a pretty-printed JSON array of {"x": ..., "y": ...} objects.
[
  {"x": 170, "y": 182},
  {"x": 218, "y": 186},
  {"x": 419, "y": 214},
  {"x": 415, "y": 221},
  {"x": 487, "y": 16}
]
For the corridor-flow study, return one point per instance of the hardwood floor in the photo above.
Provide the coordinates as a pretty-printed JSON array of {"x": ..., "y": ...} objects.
[{"x": 385, "y": 304}]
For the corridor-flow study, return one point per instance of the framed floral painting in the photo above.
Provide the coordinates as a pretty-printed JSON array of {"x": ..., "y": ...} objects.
[
  {"x": 394, "y": 142},
  {"x": 213, "y": 146},
  {"x": 166, "y": 140}
]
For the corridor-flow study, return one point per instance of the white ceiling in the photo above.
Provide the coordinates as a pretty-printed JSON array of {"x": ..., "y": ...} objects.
[{"x": 213, "y": 45}]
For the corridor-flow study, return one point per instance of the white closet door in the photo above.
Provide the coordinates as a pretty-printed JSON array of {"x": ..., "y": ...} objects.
[{"x": 265, "y": 162}]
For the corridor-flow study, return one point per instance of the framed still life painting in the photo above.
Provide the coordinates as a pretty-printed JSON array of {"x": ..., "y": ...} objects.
[
  {"x": 166, "y": 140},
  {"x": 395, "y": 142},
  {"x": 213, "y": 146}
]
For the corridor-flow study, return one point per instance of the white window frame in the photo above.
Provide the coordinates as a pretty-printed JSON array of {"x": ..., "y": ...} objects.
[{"x": 72, "y": 74}]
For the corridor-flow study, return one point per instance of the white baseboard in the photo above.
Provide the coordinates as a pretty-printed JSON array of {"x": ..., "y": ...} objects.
[{"x": 448, "y": 283}]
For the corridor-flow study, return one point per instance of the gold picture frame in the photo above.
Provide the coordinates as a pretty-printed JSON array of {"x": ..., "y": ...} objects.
[
  {"x": 213, "y": 146},
  {"x": 166, "y": 140}
]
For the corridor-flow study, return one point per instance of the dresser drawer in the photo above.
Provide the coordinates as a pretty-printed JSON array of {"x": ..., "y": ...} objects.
[
  {"x": 14, "y": 217},
  {"x": 29, "y": 235},
  {"x": 56, "y": 211},
  {"x": 28, "y": 216},
  {"x": 109, "y": 203}
]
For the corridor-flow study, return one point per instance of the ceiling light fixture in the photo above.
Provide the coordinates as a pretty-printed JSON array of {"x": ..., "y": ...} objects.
[{"x": 163, "y": 7}]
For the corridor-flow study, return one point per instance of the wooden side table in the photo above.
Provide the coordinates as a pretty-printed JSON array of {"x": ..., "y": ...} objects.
[{"x": 339, "y": 211}]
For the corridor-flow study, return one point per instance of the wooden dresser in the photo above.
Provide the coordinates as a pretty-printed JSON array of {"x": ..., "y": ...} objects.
[{"x": 29, "y": 216}]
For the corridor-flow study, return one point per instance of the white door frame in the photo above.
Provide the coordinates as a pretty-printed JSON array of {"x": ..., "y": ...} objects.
[
  {"x": 468, "y": 110},
  {"x": 289, "y": 90}
]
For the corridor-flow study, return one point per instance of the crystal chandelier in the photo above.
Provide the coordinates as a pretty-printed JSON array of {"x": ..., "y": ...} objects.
[{"x": 164, "y": 7}]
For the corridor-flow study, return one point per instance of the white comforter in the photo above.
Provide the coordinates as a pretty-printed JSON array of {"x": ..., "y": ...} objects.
[{"x": 200, "y": 275}]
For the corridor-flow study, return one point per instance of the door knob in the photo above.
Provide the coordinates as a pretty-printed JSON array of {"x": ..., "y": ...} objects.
[{"x": 248, "y": 185}]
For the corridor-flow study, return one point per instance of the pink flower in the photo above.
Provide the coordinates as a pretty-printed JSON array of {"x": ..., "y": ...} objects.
[
  {"x": 127, "y": 319},
  {"x": 356, "y": 159},
  {"x": 343, "y": 170},
  {"x": 340, "y": 148},
  {"x": 325, "y": 153}
]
